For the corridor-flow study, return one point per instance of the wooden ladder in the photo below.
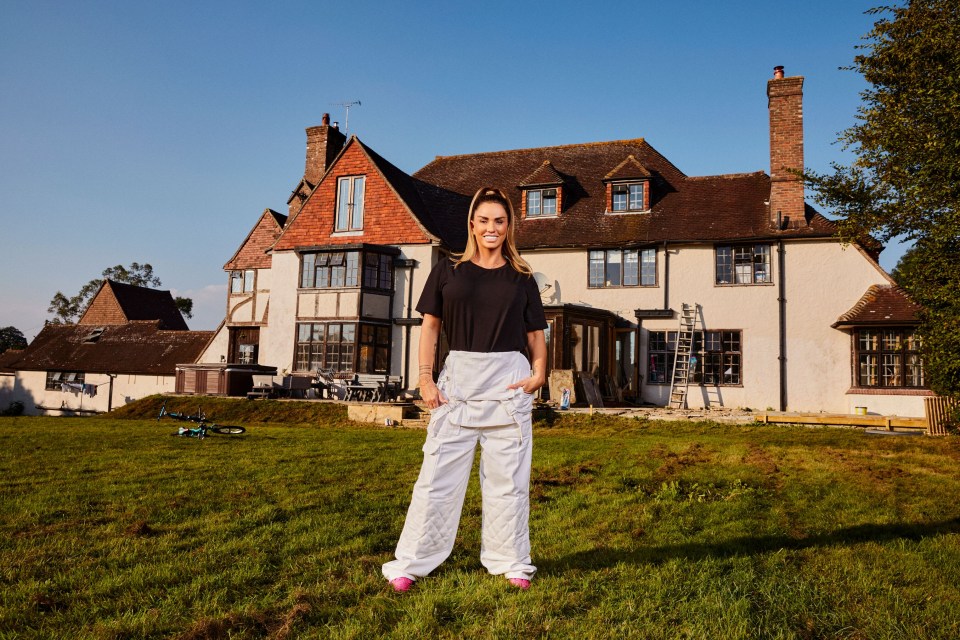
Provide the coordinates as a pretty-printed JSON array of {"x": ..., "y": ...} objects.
[{"x": 681, "y": 359}]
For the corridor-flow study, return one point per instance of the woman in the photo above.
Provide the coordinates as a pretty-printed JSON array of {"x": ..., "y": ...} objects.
[{"x": 490, "y": 307}]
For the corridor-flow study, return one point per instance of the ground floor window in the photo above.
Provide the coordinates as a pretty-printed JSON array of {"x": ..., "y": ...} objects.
[
  {"x": 374, "y": 349},
  {"x": 57, "y": 379},
  {"x": 333, "y": 345},
  {"x": 888, "y": 358},
  {"x": 715, "y": 359}
]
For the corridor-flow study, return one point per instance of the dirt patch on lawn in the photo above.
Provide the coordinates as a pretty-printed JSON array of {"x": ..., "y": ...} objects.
[{"x": 674, "y": 463}]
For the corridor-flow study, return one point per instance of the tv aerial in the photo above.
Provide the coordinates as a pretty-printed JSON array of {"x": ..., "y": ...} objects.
[{"x": 346, "y": 119}]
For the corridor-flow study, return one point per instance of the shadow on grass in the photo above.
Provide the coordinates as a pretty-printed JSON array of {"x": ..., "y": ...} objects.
[{"x": 606, "y": 557}]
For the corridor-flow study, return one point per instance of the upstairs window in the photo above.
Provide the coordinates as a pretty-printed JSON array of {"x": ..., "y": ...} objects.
[
  {"x": 743, "y": 264},
  {"x": 378, "y": 271},
  {"x": 241, "y": 281},
  {"x": 888, "y": 358},
  {"x": 623, "y": 268},
  {"x": 330, "y": 270},
  {"x": 627, "y": 197},
  {"x": 541, "y": 202},
  {"x": 350, "y": 192}
]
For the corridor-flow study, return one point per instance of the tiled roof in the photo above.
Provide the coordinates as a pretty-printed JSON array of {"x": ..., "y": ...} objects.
[
  {"x": 409, "y": 190},
  {"x": 142, "y": 303},
  {"x": 133, "y": 348},
  {"x": 882, "y": 304},
  {"x": 629, "y": 168},
  {"x": 7, "y": 357},
  {"x": 252, "y": 253},
  {"x": 683, "y": 209},
  {"x": 545, "y": 174}
]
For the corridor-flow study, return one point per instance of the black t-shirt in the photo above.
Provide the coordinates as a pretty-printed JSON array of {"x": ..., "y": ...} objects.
[{"x": 485, "y": 310}]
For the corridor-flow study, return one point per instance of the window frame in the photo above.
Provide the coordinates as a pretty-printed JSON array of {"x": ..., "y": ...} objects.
[
  {"x": 367, "y": 350},
  {"x": 644, "y": 277},
  {"x": 717, "y": 351},
  {"x": 57, "y": 378},
  {"x": 629, "y": 201},
  {"x": 733, "y": 260},
  {"x": 347, "y": 215},
  {"x": 902, "y": 361},
  {"x": 246, "y": 278},
  {"x": 536, "y": 207}
]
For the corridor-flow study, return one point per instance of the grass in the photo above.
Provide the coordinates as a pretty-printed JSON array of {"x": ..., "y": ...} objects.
[{"x": 109, "y": 528}]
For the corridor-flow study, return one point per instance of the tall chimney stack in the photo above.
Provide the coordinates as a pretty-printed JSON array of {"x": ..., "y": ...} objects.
[
  {"x": 785, "y": 102},
  {"x": 323, "y": 145}
]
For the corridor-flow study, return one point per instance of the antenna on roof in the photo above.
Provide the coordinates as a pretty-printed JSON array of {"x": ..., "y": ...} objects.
[{"x": 346, "y": 120}]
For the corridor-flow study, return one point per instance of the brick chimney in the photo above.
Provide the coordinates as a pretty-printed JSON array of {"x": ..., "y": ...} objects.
[
  {"x": 323, "y": 145},
  {"x": 785, "y": 102}
]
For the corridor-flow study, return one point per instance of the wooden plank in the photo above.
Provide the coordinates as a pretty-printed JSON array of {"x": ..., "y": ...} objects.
[{"x": 843, "y": 419}]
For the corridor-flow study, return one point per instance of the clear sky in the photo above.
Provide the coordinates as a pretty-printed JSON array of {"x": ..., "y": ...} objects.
[{"x": 158, "y": 132}]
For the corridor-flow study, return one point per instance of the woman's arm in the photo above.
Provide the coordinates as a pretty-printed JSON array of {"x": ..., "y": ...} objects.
[
  {"x": 426, "y": 351},
  {"x": 537, "y": 345}
]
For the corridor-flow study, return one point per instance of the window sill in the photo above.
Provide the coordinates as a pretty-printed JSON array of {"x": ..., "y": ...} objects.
[
  {"x": 889, "y": 391},
  {"x": 594, "y": 287},
  {"x": 743, "y": 284},
  {"x": 628, "y": 212},
  {"x": 696, "y": 384},
  {"x": 548, "y": 216}
]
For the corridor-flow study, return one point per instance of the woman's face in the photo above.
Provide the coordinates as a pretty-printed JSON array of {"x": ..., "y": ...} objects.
[{"x": 490, "y": 225}]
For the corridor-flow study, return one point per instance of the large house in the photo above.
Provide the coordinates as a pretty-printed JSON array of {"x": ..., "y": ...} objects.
[
  {"x": 787, "y": 317},
  {"x": 125, "y": 346}
]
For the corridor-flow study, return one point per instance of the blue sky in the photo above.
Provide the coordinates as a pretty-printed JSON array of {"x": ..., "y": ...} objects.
[{"x": 158, "y": 132}]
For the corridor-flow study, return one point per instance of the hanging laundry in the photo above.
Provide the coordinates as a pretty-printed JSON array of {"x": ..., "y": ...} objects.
[
  {"x": 90, "y": 390},
  {"x": 71, "y": 387}
]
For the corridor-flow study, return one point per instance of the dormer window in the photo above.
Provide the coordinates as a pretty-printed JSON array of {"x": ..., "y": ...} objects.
[
  {"x": 542, "y": 192},
  {"x": 541, "y": 202},
  {"x": 350, "y": 191},
  {"x": 628, "y": 187},
  {"x": 628, "y": 197}
]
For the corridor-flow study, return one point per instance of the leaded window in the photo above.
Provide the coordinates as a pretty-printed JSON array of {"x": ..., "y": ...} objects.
[
  {"x": 888, "y": 357},
  {"x": 715, "y": 357}
]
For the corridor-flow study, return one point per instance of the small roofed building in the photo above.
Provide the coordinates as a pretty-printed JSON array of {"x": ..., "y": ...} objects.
[
  {"x": 8, "y": 377},
  {"x": 126, "y": 346}
]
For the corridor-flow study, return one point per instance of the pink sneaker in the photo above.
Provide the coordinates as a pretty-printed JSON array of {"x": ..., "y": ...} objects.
[
  {"x": 402, "y": 585},
  {"x": 520, "y": 583}
]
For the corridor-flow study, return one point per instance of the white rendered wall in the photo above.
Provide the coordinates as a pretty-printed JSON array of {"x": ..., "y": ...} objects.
[
  {"x": 823, "y": 281},
  {"x": 126, "y": 388}
]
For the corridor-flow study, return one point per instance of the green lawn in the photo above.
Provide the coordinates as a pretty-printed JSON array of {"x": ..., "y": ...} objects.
[{"x": 111, "y": 528}]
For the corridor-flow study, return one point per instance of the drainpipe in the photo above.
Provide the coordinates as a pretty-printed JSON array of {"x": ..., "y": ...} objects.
[
  {"x": 110, "y": 397},
  {"x": 410, "y": 265},
  {"x": 782, "y": 313},
  {"x": 666, "y": 276}
]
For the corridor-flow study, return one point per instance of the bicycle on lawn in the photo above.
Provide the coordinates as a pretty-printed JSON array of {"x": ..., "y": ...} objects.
[{"x": 202, "y": 429}]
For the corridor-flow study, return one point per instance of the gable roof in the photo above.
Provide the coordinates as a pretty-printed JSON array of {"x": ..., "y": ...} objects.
[
  {"x": 629, "y": 168},
  {"x": 252, "y": 252},
  {"x": 140, "y": 347},
  {"x": 683, "y": 209},
  {"x": 545, "y": 174},
  {"x": 134, "y": 303},
  {"x": 882, "y": 304},
  {"x": 427, "y": 205}
]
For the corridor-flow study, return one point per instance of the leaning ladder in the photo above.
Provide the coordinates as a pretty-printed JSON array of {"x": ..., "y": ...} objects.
[{"x": 680, "y": 382}]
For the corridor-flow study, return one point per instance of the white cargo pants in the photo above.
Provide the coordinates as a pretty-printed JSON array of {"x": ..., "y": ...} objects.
[{"x": 480, "y": 409}]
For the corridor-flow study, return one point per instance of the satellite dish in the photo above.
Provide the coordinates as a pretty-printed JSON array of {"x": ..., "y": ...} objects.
[{"x": 542, "y": 282}]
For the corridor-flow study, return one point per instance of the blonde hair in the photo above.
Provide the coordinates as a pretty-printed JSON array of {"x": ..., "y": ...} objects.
[{"x": 509, "y": 246}]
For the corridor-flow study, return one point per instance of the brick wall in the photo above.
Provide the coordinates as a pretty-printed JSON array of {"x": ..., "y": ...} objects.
[
  {"x": 785, "y": 102},
  {"x": 386, "y": 219}
]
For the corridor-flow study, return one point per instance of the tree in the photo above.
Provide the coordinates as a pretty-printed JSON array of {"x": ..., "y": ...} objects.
[
  {"x": 905, "y": 180},
  {"x": 11, "y": 338},
  {"x": 68, "y": 310}
]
